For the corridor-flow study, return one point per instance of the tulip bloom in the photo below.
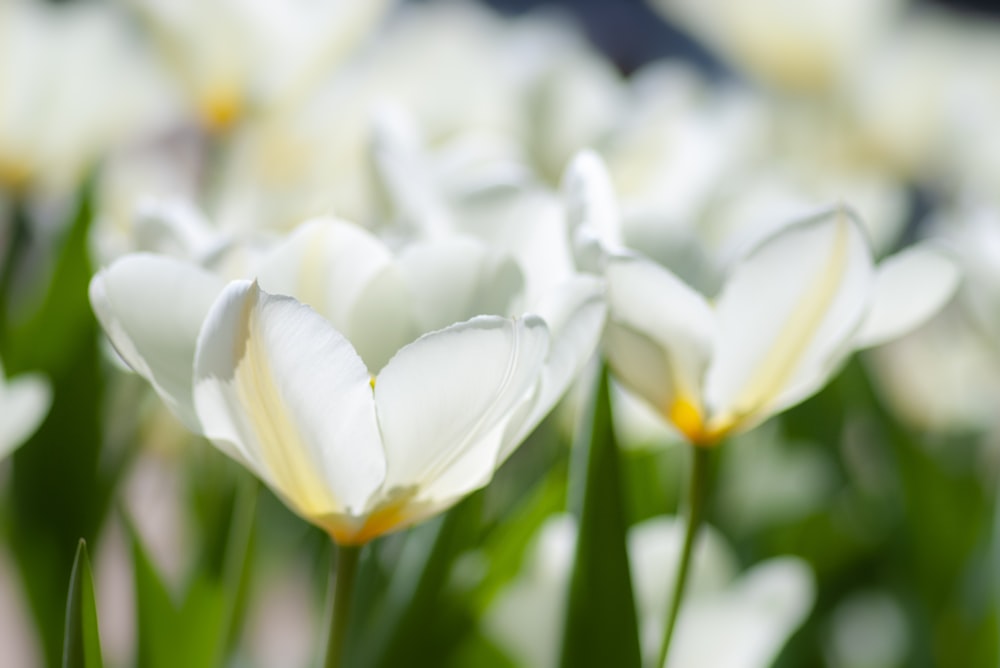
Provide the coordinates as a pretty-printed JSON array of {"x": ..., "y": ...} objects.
[
  {"x": 234, "y": 55},
  {"x": 316, "y": 377},
  {"x": 799, "y": 46},
  {"x": 62, "y": 98},
  {"x": 788, "y": 314},
  {"x": 755, "y": 611}
]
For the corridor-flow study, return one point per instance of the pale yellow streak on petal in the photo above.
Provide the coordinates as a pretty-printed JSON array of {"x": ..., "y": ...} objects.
[
  {"x": 282, "y": 447},
  {"x": 780, "y": 362}
]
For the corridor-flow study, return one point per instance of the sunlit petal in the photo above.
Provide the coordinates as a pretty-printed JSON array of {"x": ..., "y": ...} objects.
[
  {"x": 659, "y": 338},
  {"x": 910, "y": 287},
  {"x": 592, "y": 210},
  {"x": 575, "y": 314},
  {"x": 349, "y": 277},
  {"x": 285, "y": 390},
  {"x": 444, "y": 401},
  {"x": 787, "y": 315},
  {"x": 152, "y": 307},
  {"x": 455, "y": 279}
]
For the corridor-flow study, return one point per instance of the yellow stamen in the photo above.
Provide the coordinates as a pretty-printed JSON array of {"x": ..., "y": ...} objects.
[
  {"x": 14, "y": 174},
  {"x": 221, "y": 109},
  {"x": 395, "y": 513},
  {"x": 686, "y": 415}
]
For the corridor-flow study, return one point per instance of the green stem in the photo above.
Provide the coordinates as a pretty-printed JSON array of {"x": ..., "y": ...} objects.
[
  {"x": 345, "y": 568},
  {"x": 17, "y": 241},
  {"x": 700, "y": 483}
]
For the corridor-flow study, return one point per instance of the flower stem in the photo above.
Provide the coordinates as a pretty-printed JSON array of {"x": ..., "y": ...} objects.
[
  {"x": 345, "y": 567},
  {"x": 698, "y": 491}
]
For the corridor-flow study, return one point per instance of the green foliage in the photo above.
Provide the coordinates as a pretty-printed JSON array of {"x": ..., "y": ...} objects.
[
  {"x": 601, "y": 625},
  {"x": 62, "y": 479},
  {"x": 198, "y": 628},
  {"x": 81, "y": 644}
]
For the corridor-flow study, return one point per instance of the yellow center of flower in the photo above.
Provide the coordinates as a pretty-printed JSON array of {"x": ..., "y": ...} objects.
[
  {"x": 220, "y": 109},
  {"x": 14, "y": 174},
  {"x": 687, "y": 417},
  {"x": 396, "y": 512}
]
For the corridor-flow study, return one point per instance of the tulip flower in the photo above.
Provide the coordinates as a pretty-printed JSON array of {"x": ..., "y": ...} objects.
[
  {"x": 62, "y": 101},
  {"x": 789, "y": 313},
  {"x": 794, "y": 45},
  {"x": 24, "y": 401},
  {"x": 755, "y": 611},
  {"x": 232, "y": 57},
  {"x": 317, "y": 378}
]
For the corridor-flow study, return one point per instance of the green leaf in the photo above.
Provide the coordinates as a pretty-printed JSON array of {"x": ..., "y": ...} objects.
[
  {"x": 59, "y": 338},
  {"x": 505, "y": 545},
  {"x": 601, "y": 627},
  {"x": 198, "y": 629},
  {"x": 416, "y": 619},
  {"x": 81, "y": 644}
]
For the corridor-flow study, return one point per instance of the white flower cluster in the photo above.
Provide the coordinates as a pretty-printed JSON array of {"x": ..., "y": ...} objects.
[{"x": 364, "y": 248}]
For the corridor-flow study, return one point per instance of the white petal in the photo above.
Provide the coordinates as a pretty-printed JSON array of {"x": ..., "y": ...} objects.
[
  {"x": 654, "y": 548},
  {"x": 152, "y": 307},
  {"x": 527, "y": 617},
  {"x": 910, "y": 287},
  {"x": 403, "y": 174},
  {"x": 24, "y": 401},
  {"x": 755, "y": 615},
  {"x": 787, "y": 316},
  {"x": 174, "y": 227},
  {"x": 324, "y": 264},
  {"x": 444, "y": 400},
  {"x": 528, "y": 224},
  {"x": 278, "y": 385},
  {"x": 659, "y": 337},
  {"x": 575, "y": 314},
  {"x": 455, "y": 279},
  {"x": 348, "y": 276},
  {"x": 592, "y": 210}
]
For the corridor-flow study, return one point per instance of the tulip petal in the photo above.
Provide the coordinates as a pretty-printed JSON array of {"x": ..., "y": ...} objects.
[
  {"x": 444, "y": 401},
  {"x": 455, "y": 279},
  {"x": 325, "y": 264},
  {"x": 787, "y": 316},
  {"x": 755, "y": 615},
  {"x": 152, "y": 307},
  {"x": 910, "y": 287},
  {"x": 592, "y": 210},
  {"x": 279, "y": 387},
  {"x": 24, "y": 401},
  {"x": 348, "y": 276},
  {"x": 530, "y": 226},
  {"x": 402, "y": 173},
  {"x": 659, "y": 338},
  {"x": 575, "y": 314}
]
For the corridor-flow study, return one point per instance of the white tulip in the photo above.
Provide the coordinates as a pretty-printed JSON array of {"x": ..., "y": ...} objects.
[
  {"x": 794, "y": 44},
  {"x": 755, "y": 612},
  {"x": 789, "y": 313},
  {"x": 317, "y": 378},
  {"x": 235, "y": 56},
  {"x": 954, "y": 392},
  {"x": 69, "y": 86}
]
